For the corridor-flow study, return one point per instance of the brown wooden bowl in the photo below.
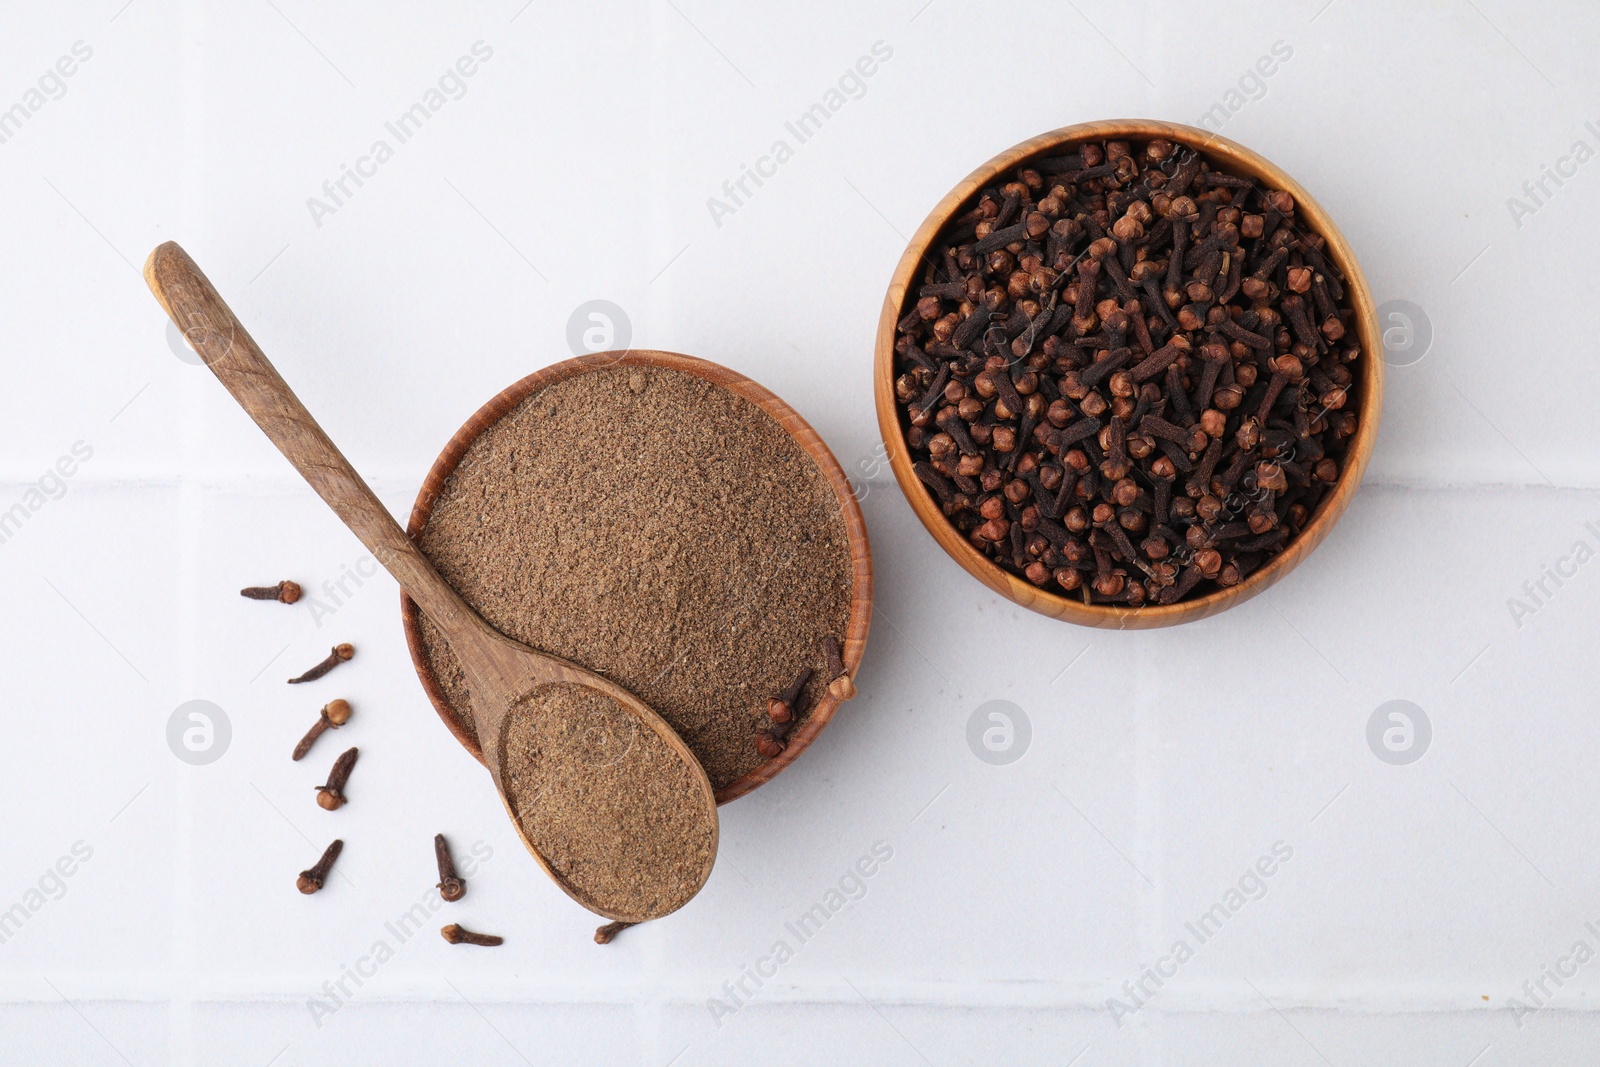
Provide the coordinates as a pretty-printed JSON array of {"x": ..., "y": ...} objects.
[
  {"x": 855, "y": 638},
  {"x": 1238, "y": 160}
]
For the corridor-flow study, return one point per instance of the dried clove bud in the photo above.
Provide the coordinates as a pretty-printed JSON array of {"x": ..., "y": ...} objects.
[
  {"x": 605, "y": 934},
  {"x": 335, "y": 714},
  {"x": 330, "y": 797},
  {"x": 452, "y": 887},
  {"x": 311, "y": 880},
  {"x": 339, "y": 654},
  {"x": 285, "y": 592},
  {"x": 840, "y": 684},
  {"x": 457, "y": 934},
  {"x": 780, "y": 709}
]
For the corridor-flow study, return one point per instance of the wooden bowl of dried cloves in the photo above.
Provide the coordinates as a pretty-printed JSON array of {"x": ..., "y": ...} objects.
[{"x": 1129, "y": 373}]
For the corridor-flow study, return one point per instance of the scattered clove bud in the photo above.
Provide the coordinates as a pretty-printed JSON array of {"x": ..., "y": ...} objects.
[
  {"x": 780, "y": 709},
  {"x": 451, "y": 886},
  {"x": 840, "y": 685},
  {"x": 311, "y": 880},
  {"x": 604, "y": 935},
  {"x": 335, "y": 714},
  {"x": 783, "y": 711},
  {"x": 330, "y": 797},
  {"x": 284, "y": 592},
  {"x": 339, "y": 654},
  {"x": 457, "y": 934}
]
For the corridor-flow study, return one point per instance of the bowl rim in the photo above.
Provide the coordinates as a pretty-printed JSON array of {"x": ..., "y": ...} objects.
[
  {"x": 860, "y": 619},
  {"x": 1369, "y": 393}
]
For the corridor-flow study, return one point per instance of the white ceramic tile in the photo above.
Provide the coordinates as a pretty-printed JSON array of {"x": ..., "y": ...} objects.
[{"x": 1006, "y": 904}]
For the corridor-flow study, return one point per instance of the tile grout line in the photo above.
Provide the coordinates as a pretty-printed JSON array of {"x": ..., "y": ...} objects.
[
  {"x": 1147, "y": 836},
  {"x": 181, "y": 1010},
  {"x": 1149, "y": 1039},
  {"x": 269, "y": 483}
]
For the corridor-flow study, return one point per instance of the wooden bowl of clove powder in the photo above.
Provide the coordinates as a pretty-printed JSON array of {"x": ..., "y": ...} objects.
[
  {"x": 1129, "y": 373},
  {"x": 664, "y": 522}
]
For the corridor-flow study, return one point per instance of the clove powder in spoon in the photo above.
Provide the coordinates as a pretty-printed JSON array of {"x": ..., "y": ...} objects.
[
  {"x": 659, "y": 530},
  {"x": 600, "y": 796}
]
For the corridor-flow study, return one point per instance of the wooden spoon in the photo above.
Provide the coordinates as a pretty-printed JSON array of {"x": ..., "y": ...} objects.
[{"x": 501, "y": 673}]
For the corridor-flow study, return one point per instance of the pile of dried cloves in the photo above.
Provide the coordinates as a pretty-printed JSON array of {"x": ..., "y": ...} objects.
[{"x": 1126, "y": 375}]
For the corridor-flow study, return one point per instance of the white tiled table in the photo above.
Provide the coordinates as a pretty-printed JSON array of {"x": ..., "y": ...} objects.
[{"x": 576, "y": 163}]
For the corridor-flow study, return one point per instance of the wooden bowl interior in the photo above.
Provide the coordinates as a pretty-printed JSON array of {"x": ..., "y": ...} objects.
[
  {"x": 1227, "y": 155},
  {"x": 855, "y": 638}
]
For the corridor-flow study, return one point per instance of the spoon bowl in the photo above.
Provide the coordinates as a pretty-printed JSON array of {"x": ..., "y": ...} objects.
[{"x": 504, "y": 677}]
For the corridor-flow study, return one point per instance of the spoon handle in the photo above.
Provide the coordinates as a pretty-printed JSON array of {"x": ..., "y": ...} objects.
[{"x": 233, "y": 356}]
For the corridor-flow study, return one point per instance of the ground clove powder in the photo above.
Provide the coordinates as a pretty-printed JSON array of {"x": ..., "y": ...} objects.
[
  {"x": 601, "y": 796},
  {"x": 659, "y": 530}
]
